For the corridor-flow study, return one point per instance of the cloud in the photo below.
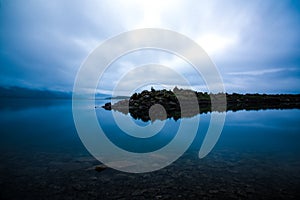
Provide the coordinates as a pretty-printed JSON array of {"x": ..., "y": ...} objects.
[
  {"x": 261, "y": 72},
  {"x": 265, "y": 81},
  {"x": 43, "y": 44},
  {"x": 213, "y": 43}
]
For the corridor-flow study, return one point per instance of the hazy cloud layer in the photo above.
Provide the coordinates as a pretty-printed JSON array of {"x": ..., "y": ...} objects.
[{"x": 255, "y": 44}]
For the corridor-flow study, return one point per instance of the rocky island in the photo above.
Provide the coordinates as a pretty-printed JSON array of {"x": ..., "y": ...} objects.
[{"x": 140, "y": 105}]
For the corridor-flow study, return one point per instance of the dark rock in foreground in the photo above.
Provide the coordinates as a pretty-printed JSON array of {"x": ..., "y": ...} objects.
[
  {"x": 141, "y": 105},
  {"x": 100, "y": 168}
]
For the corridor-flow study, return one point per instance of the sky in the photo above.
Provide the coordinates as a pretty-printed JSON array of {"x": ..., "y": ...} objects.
[{"x": 254, "y": 44}]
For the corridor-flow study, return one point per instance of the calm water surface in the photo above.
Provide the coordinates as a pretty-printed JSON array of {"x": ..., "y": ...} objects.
[{"x": 42, "y": 157}]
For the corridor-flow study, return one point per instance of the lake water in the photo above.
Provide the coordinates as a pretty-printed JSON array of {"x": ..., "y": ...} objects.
[{"x": 256, "y": 157}]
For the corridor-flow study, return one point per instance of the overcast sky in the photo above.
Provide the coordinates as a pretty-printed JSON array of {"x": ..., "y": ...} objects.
[{"x": 255, "y": 44}]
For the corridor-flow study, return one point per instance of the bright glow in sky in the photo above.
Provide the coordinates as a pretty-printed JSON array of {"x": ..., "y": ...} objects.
[
  {"x": 213, "y": 43},
  {"x": 255, "y": 44}
]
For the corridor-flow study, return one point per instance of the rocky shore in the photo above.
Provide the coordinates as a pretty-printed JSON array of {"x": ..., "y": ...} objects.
[
  {"x": 62, "y": 176},
  {"x": 139, "y": 104}
]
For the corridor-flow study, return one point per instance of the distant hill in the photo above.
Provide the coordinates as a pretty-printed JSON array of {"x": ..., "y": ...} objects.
[
  {"x": 118, "y": 97},
  {"x": 20, "y": 92}
]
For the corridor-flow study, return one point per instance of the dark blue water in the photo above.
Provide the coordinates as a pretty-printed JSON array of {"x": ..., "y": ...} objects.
[{"x": 40, "y": 150}]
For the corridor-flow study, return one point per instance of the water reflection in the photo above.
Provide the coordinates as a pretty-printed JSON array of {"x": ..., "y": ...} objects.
[{"x": 257, "y": 156}]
